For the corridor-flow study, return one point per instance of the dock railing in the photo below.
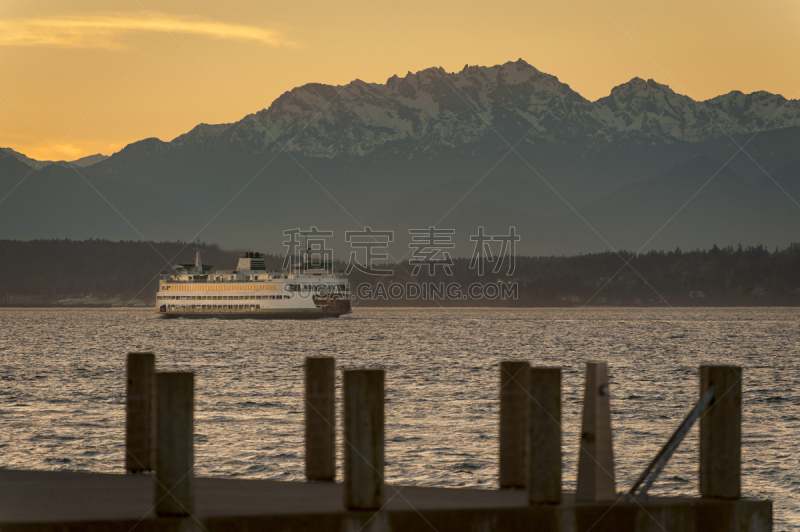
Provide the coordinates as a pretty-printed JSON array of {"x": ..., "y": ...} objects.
[{"x": 159, "y": 434}]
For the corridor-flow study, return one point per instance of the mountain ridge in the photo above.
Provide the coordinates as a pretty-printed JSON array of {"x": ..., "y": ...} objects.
[
  {"x": 38, "y": 165},
  {"x": 434, "y": 148},
  {"x": 501, "y": 103}
]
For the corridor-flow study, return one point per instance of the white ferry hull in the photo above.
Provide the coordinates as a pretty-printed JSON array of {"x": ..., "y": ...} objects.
[
  {"x": 258, "y": 314},
  {"x": 252, "y": 292}
]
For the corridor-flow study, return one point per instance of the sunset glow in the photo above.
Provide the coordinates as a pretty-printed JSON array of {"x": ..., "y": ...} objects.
[{"x": 93, "y": 76}]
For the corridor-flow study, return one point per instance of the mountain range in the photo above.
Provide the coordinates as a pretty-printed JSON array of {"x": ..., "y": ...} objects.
[
  {"x": 33, "y": 163},
  {"x": 494, "y": 146}
]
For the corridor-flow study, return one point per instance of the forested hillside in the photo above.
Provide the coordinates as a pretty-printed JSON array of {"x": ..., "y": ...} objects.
[{"x": 43, "y": 271}]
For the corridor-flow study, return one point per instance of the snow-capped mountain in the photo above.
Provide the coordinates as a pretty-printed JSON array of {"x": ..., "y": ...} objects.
[
  {"x": 759, "y": 110},
  {"x": 425, "y": 112},
  {"x": 432, "y": 109},
  {"x": 432, "y": 147},
  {"x": 648, "y": 109}
]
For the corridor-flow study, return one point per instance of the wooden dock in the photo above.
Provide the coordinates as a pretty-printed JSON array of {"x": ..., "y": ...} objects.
[
  {"x": 161, "y": 494},
  {"x": 43, "y": 501}
]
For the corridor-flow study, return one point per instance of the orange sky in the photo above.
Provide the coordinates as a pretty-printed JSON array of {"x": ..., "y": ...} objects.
[{"x": 90, "y": 76}]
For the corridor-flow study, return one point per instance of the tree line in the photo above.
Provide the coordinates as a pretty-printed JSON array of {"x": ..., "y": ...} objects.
[{"x": 47, "y": 270}]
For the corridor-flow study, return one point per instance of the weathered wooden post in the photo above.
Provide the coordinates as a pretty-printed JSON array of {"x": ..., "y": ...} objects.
[
  {"x": 513, "y": 422},
  {"x": 363, "y": 439},
  {"x": 140, "y": 413},
  {"x": 320, "y": 419},
  {"x": 174, "y": 494},
  {"x": 544, "y": 436},
  {"x": 721, "y": 433},
  {"x": 596, "y": 460}
]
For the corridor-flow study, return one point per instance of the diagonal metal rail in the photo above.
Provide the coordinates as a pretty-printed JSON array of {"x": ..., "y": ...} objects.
[{"x": 660, "y": 461}]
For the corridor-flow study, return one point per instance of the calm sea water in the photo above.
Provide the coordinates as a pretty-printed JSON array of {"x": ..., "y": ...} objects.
[{"x": 62, "y": 388}]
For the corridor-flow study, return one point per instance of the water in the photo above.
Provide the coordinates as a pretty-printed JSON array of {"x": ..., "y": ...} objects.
[{"x": 62, "y": 388}]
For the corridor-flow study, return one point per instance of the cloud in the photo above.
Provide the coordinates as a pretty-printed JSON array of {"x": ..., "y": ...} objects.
[{"x": 102, "y": 31}]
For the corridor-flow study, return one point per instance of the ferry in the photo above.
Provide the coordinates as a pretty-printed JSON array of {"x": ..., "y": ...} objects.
[{"x": 308, "y": 291}]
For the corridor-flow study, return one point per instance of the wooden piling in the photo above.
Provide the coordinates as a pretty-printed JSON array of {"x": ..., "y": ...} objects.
[
  {"x": 140, "y": 413},
  {"x": 320, "y": 419},
  {"x": 174, "y": 493},
  {"x": 596, "y": 460},
  {"x": 544, "y": 436},
  {"x": 514, "y": 400},
  {"x": 721, "y": 433},
  {"x": 363, "y": 439}
]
